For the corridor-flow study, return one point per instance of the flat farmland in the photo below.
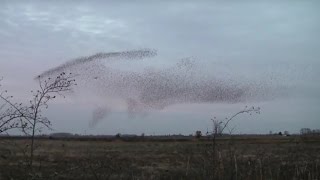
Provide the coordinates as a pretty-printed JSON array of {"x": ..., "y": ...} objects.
[{"x": 236, "y": 157}]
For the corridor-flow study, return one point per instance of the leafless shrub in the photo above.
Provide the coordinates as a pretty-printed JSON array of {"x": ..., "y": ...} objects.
[
  {"x": 49, "y": 89},
  {"x": 29, "y": 118},
  {"x": 216, "y": 161}
]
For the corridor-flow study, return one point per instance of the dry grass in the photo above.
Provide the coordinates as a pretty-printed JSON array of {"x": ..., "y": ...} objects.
[{"x": 240, "y": 157}]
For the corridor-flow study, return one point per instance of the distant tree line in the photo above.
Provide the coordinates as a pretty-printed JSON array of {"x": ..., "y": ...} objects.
[{"x": 308, "y": 131}]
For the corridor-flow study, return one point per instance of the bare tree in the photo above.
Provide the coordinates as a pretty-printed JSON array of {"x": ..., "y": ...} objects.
[
  {"x": 198, "y": 134},
  {"x": 50, "y": 88}
]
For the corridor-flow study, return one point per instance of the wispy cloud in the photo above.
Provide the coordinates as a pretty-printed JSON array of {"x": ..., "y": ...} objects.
[{"x": 79, "y": 20}]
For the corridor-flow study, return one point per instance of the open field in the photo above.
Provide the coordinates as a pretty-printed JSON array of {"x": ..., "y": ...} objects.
[{"x": 237, "y": 157}]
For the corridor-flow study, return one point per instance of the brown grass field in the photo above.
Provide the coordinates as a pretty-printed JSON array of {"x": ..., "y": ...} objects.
[{"x": 236, "y": 157}]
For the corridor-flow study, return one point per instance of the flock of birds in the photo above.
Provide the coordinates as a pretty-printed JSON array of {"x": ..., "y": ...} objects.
[{"x": 156, "y": 87}]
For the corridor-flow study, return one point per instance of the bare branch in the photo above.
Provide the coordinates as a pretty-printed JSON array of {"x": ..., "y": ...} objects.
[
  {"x": 50, "y": 88},
  {"x": 12, "y": 115}
]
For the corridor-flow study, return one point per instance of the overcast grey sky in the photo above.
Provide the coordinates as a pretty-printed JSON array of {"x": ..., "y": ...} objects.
[{"x": 251, "y": 40}]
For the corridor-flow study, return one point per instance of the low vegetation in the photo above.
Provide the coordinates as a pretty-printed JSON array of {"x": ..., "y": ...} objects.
[{"x": 239, "y": 157}]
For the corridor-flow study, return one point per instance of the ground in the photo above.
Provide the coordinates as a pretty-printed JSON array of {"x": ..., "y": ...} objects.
[{"x": 236, "y": 157}]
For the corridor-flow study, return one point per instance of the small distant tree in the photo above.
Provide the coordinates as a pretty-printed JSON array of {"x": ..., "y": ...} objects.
[
  {"x": 198, "y": 134},
  {"x": 142, "y": 135},
  {"x": 316, "y": 132},
  {"x": 217, "y": 127},
  {"x": 118, "y": 135},
  {"x": 305, "y": 131}
]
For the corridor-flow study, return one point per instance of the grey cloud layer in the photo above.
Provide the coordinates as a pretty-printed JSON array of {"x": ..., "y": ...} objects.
[{"x": 241, "y": 44}]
